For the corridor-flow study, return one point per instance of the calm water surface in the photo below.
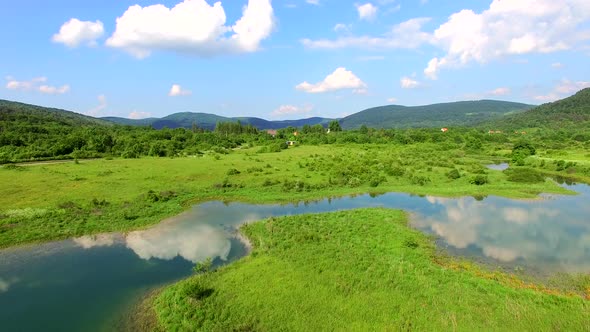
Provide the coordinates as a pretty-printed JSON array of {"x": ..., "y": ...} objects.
[{"x": 85, "y": 284}]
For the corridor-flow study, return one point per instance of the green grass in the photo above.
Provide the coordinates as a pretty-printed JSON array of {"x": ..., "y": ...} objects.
[
  {"x": 354, "y": 270},
  {"x": 102, "y": 195}
]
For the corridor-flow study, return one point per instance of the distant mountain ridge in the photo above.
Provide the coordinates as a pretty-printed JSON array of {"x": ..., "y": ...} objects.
[
  {"x": 208, "y": 121},
  {"x": 461, "y": 113}
]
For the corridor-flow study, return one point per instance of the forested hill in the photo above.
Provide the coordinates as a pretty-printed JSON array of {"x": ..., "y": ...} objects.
[
  {"x": 37, "y": 116},
  {"x": 571, "y": 112},
  {"x": 208, "y": 121},
  {"x": 462, "y": 113}
]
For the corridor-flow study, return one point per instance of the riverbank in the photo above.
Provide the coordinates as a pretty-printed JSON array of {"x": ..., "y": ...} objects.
[
  {"x": 356, "y": 270},
  {"x": 58, "y": 201}
]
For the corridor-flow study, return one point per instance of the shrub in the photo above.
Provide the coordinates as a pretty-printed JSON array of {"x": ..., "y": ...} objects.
[
  {"x": 233, "y": 171},
  {"x": 395, "y": 171},
  {"x": 454, "y": 174},
  {"x": 523, "y": 175},
  {"x": 479, "y": 180},
  {"x": 420, "y": 180},
  {"x": 376, "y": 180}
]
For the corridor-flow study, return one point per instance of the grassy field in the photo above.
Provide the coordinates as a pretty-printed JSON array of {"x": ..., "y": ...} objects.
[
  {"x": 354, "y": 270},
  {"x": 56, "y": 201}
]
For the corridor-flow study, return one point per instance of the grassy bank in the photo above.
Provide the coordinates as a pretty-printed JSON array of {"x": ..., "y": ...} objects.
[
  {"x": 354, "y": 270},
  {"x": 56, "y": 201}
]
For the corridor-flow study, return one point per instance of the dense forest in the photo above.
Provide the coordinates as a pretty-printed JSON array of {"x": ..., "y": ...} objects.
[{"x": 30, "y": 133}]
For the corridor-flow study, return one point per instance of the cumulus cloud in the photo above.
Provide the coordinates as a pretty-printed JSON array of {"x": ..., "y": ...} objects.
[
  {"x": 508, "y": 28},
  {"x": 392, "y": 100},
  {"x": 287, "y": 110},
  {"x": 102, "y": 104},
  {"x": 341, "y": 27},
  {"x": 313, "y": 2},
  {"x": 557, "y": 65},
  {"x": 176, "y": 90},
  {"x": 500, "y": 92},
  {"x": 367, "y": 11},
  {"x": 136, "y": 115},
  {"x": 74, "y": 32},
  {"x": 340, "y": 79},
  {"x": 405, "y": 35},
  {"x": 409, "y": 83},
  {"x": 192, "y": 27},
  {"x": 36, "y": 84},
  {"x": 563, "y": 89}
]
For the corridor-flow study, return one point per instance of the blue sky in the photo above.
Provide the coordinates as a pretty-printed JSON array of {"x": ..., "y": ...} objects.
[{"x": 289, "y": 59}]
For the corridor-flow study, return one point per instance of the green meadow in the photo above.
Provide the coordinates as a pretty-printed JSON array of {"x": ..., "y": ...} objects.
[
  {"x": 358, "y": 270},
  {"x": 56, "y": 201}
]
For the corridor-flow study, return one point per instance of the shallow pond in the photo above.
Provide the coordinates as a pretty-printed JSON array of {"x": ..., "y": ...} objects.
[
  {"x": 498, "y": 167},
  {"x": 88, "y": 283}
]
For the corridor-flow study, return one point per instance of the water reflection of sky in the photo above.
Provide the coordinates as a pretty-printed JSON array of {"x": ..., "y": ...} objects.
[{"x": 552, "y": 233}]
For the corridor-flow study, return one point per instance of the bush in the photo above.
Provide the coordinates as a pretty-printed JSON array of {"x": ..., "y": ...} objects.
[
  {"x": 479, "y": 180},
  {"x": 524, "y": 175},
  {"x": 376, "y": 180},
  {"x": 420, "y": 180},
  {"x": 395, "y": 171},
  {"x": 233, "y": 171},
  {"x": 454, "y": 174}
]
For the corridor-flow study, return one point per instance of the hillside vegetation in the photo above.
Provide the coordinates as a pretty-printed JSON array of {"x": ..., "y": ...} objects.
[
  {"x": 463, "y": 113},
  {"x": 571, "y": 113}
]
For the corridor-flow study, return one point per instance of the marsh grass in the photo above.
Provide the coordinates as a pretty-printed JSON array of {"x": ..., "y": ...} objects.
[
  {"x": 356, "y": 270},
  {"x": 141, "y": 192}
]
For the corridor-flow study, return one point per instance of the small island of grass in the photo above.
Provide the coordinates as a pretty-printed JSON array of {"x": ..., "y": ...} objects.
[{"x": 354, "y": 270}]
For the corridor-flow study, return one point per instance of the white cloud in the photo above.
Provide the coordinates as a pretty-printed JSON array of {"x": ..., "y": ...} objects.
[
  {"x": 139, "y": 115},
  {"x": 409, "y": 83},
  {"x": 102, "y": 104},
  {"x": 192, "y": 27},
  {"x": 563, "y": 89},
  {"x": 53, "y": 90},
  {"x": 367, "y": 11},
  {"x": 508, "y": 28},
  {"x": 341, "y": 27},
  {"x": 557, "y": 65},
  {"x": 35, "y": 84},
  {"x": 340, "y": 79},
  {"x": 313, "y": 2},
  {"x": 567, "y": 87},
  {"x": 406, "y": 35},
  {"x": 75, "y": 32},
  {"x": 286, "y": 110},
  {"x": 176, "y": 90},
  {"x": 500, "y": 92},
  {"x": 392, "y": 100}
]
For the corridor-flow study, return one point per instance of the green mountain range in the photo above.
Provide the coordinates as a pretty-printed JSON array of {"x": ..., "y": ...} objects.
[
  {"x": 208, "y": 121},
  {"x": 462, "y": 113},
  {"x": 573, "y": 111}
]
